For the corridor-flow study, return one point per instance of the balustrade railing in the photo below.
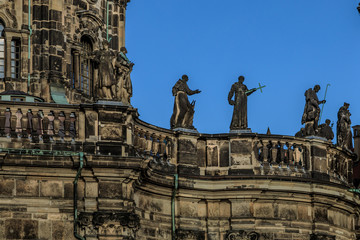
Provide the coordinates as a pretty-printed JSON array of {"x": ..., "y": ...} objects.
[
  {"x": 148, "y": 143},
  {"x": 38, "y": 124}
]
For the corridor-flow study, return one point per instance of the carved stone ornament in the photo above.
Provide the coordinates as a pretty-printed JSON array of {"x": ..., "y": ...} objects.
[
  {"x": 92, "y": 1},
  {"x": 321, "y": 237},
  {"x": 242, "y": 235},
  {"x": 189, "y": 234},
  {"x": 8, "y": 15},
  {"x": 109, "y": 222},
  {"x": 89, "y": 24}
]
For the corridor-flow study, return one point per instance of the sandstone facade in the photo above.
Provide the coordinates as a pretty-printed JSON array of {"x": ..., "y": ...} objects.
[{"x": 92, "y": 169}]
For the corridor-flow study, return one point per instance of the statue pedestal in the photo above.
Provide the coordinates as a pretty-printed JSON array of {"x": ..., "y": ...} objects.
[
  {"x": 316, "y": 137},
  {"x": 114, "y": 103},
  {"x": 185, "y": 130},
  {"x": 240, "y": 131}
]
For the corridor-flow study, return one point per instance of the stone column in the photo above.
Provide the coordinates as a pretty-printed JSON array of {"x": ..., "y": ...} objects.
[{"x": 8, "y": 56}]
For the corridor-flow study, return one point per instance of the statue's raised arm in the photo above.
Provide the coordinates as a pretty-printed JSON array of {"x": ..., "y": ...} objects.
[{"x": 183, "y": 112}]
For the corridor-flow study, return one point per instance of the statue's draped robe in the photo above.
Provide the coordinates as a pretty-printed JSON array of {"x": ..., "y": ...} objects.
[
  {"x": 124, "y": 68},
  {"x": 343, "y": 129},
  {"x": 312, "y": 109},
  {"x": 311, "y": 113},
  {"x": 183, "y": 111},
  {"x": 239, "y": 118}
]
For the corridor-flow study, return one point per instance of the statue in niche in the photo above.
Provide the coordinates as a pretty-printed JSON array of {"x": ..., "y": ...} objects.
[
  {"x": 18, "y": 128},
  {"x": 311, "y": 111},
  {"x": 7, "y": 122},
  {"x": 104, "y": 62},
  {"x": 343, "y": 128},
  {"x": 183, "y": 112},
  {"x": 123, "y": 70},
  {"x": 241, "y": 92},
  {"x": 325, "y": 130}
]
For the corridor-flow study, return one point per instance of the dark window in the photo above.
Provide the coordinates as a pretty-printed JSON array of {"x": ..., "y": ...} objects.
[
  {"x": 72, "y": 69},
  {"x": 15, "y": 59},
  {"x": 86, "y": 70},
  {"x": 17, "y": 99}
]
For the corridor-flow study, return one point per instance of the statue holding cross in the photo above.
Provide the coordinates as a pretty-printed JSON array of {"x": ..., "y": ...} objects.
[{"x": 241, "y": 92}]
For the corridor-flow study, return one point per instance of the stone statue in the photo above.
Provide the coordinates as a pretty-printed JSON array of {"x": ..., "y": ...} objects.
[
  {"x": 123, "y": 70},
  {"x": 343, "y": 129},
  {"x": 183, "y": 112},
  {"x": 239, "y": 118},
  {"x": 311, "y": 111},
  {"x": 325, "y": 130},
  {"x": 104, "y": 60}
]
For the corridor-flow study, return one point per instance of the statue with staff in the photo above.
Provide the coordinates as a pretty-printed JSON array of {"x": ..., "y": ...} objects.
[
  {"x": 241, "y": 92},
  {"x": 312, "y": 113}
]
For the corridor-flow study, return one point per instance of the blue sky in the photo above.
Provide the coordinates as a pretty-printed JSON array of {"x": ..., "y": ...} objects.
[{"x": 288, "y": 45}]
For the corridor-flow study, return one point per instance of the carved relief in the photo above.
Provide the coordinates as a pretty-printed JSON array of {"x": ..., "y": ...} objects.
[
  {"x": 189, "y": 234},
  {"x": 113, "y": 132},
  {"x": 110, "y": 223},
  {"x": 89, "y": 24},
  {"x": 242, "y": 235},
  {"x": 321, "y": 237},
  {"x": 7, "y": 15}
]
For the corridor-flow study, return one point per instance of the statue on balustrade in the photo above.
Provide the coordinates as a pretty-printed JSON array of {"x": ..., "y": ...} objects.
[
  {"x": 104, "y": 63},
  {"x": 343, "y": 128},
  {"x": 325, "y": 130},
  {"x": 241, "y": 92},
  {"x": 183, "y": 112},
  {"x": 311, "y": 111},
  {"x": 123, "y": 70}
]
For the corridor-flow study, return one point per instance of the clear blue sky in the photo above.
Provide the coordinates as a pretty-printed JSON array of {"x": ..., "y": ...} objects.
[{"x": 288, "y": 45}]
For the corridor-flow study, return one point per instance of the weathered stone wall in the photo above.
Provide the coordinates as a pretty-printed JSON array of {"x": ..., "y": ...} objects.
[
  {"x": 57, "y": 29},
  {"x": 230, "y": 186}
]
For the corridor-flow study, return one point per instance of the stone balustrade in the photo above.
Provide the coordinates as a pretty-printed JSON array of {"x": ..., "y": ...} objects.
[
  {"x": 39, "y": 122},
  {"x": 245, "y": 154},
  {"x": 151, "y": 141}
]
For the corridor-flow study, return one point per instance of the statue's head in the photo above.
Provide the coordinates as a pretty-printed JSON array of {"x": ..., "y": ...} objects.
[
  {"x": 185, "y": 78},
  {"x": 241, "y": 79},
  {"x": 123, "y": 50},
  {"x": 327, "y": 121},
  {"x": 105, "y": 44},
  {"x": 317, "y": 88},
  {"x": 346, "y": 105}
]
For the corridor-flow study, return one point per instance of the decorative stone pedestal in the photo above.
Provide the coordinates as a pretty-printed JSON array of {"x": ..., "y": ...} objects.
[
  {"x": 114, "y": 103},
  {"x": 316, "y": 137},
  {"x": 185, "y": 130},
  {"x": 240, "y": 131}
]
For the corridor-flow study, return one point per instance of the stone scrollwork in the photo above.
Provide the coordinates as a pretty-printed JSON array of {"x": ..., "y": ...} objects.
[
  {"x": 242, "y": 235},
  {"x": 109, "y": 223}
]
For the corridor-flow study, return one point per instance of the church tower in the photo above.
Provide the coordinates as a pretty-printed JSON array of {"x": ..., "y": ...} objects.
[{"x": 51, "y": 49}]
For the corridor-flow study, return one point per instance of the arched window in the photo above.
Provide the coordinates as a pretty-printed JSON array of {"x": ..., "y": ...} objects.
[
  {"x": 2, "y": 50},
  {"x": 86, "y": 70}
]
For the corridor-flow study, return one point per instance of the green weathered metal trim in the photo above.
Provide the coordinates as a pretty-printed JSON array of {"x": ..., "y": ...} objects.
[
  {"x": 176, "y": 185},
  {"x": 354, "y": 190},
  {"x": 39, "y": 152},
  {"x": 29, "y": 47},
  {"x": 78, "y": 174}
]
